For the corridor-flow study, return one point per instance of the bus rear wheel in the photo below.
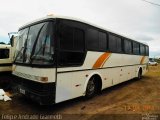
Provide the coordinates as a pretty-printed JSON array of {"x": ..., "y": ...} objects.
[
  {"x": 91, "y": 88},
  {"x": 140, "y": 74}
]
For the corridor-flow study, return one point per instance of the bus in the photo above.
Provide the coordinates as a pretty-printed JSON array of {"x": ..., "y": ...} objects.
[
  {"x": 6, "y": 56},
  {"x": 60, "y": 58},
  {"x": 6, "y": 60}
]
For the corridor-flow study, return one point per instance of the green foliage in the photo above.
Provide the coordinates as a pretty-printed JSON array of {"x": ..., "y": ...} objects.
[{"x": 2, "y": 43}]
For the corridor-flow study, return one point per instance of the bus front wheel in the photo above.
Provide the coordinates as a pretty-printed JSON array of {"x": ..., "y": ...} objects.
[{"x": 91, "y": 88}]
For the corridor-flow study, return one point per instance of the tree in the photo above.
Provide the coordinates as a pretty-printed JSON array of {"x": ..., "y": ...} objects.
[{"x": 2, "y": 43}]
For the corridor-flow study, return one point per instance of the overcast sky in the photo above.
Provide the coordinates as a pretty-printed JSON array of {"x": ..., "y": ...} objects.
[{"x": 133, "y": 18}]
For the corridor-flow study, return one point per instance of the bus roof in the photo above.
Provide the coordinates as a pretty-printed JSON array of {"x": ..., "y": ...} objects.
[{"x": 79, "y": 20}]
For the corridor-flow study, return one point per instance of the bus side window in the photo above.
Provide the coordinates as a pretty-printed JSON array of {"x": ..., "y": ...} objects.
[
  {"x": 127, "y": 46},
  {"x": 147, "y": 51},
  {"x": 142, "y": 49},
  {"x": 135, "y": 48},
  {"x": 115, "y": 43},
  {"x": 96, "y": 40},
  {"x": 66, "y": 37},
  {"x": 92, "y": 39},
  {"x": 102, "y": 41},
  {"x": 79, "y": 39},
  {"x": 72, "y": 45}
]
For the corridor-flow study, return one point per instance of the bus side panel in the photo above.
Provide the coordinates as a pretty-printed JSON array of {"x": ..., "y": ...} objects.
[
  {"x": 6, "y": 68},
  {"x": 63, "y": 87},
  {"x": 73, "y": 84},
  {"x": 114, "y": 74},
  {"x": 145, "y": 66},
  {"x": 70, "y": 85},
  {"x": 107, "y": 77},
  {"x": 144, "y": 69},
  {"x": 118, "y": 68}
]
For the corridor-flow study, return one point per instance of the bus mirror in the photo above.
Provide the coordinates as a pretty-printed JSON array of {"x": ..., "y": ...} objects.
[{"x": 12, "y": 40}]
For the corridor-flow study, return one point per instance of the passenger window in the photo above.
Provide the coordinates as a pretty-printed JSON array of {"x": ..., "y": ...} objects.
[
  {"x": 79, "y": 39},
  {"x": 127, "y": 46},
  {"x": 115, "y": 44},
  {"x": 112, "y": 43},
  {"x": 66, "y": 37},
  {"x": 119, "y": 44},
  {"x": 135, "y": 48},
  {"x": 71, "y": 38},
  {"x": 147, "y": 50},
  {"x": 92, "y": 39},
  {"x": 72, "y": 45},
  {"x": 142, "y": 49},
  {"x": 102, "y": 41}
]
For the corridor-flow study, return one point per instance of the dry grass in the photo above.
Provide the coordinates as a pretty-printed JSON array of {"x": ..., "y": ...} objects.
[
  {"x": 154, "y": 71},
  {"x": 134, "y": 97}
]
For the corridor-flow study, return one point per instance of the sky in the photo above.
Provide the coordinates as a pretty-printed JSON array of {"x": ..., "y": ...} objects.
[{"x": 136, "y": 19}]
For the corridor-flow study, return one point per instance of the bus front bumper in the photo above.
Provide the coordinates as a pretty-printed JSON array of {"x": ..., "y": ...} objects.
[{"x": 43, "y": 93}]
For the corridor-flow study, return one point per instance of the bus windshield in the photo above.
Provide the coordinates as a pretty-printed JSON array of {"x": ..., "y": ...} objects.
[{"x": 35, "y": 44}]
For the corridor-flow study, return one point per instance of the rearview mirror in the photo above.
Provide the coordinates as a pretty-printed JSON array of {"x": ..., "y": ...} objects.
[{"x": 12, "y": 40}]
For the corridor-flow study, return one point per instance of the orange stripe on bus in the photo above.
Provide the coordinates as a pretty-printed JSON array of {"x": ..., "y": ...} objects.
[
  {"x": 142, "y": 60},
  {"x": 101, "y": 60}
]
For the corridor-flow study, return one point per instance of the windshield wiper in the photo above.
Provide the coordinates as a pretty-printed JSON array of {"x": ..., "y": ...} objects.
[
  {"x": 24, "y": 51},
  {"x": 18, "y": 54},
  {"x": 34, "y": 46}
]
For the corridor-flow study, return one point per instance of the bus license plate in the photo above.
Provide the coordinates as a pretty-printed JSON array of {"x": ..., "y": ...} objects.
[{"x": 22, "y": 91}]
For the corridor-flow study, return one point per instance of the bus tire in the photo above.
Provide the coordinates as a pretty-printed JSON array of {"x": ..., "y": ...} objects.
[
  {"x": 91, "y": 88},
  {"x": 140, "y": 74}
]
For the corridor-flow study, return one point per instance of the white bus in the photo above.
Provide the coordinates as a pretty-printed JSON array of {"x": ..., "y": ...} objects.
[
  {"x": 6, "y": 56},
  {"x": 6, "y": 60},
  {"x": 61, "y": 58}
]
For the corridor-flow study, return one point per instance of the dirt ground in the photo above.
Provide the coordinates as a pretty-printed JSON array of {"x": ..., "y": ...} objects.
[{"x": 131, "y": 100}]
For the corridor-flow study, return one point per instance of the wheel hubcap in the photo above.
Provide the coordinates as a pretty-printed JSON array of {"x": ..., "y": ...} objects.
[{"x": 91, "y": 87}]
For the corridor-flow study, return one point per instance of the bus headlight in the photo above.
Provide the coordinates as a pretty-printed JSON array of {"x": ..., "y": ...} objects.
[{"x": 44, "y": 79}]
